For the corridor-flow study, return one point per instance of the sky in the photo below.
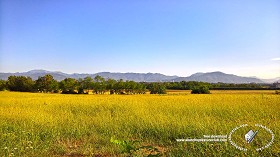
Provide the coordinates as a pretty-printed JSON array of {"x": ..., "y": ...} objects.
[{"x": 178, "y": 37}]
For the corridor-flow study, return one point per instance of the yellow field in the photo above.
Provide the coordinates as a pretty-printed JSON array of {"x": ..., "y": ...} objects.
[
  {"x": 35, "y": 124},
  {"x": 225, "y": 91}
]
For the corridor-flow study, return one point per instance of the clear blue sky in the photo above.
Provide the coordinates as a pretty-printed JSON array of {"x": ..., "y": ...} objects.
[{"x": 177, "y": 37}]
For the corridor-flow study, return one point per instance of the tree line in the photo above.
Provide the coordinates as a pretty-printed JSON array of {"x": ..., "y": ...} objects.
[
  {"x": 190, "y": 85},
  {"x": 47, "y": 84},
  {"x": 99, "y": 85}
]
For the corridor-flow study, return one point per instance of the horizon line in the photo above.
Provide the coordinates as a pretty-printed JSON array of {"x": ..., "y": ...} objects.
[{"x": 137, "y": 73}]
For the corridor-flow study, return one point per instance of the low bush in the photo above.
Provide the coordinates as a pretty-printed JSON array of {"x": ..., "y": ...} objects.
[{"x": 200, "y": 90}]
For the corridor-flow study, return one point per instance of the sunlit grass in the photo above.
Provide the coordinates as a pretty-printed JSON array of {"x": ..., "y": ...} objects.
[{"x": 35, "y": 124}]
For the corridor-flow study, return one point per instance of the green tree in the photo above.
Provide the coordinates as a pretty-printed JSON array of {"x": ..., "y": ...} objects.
[
  {"x": 2, "y": 85},
  {"x": 141, "y": 88},
  {"x": 85, "y": 84},
  {"x": 111, "y": 83},
  {"x": 68, "y": 86},
  {"x": 157, "y": 88},
  {"x": 99, "y": 85},
  {"x": 130, "y": 87},
  {"x": 88, "y": 83},
  {"x": 20, "y": 83},
  {"x": 202, "y": 89},
  {"x": 46, "y": 84},
  {"x": 119, "y": 87}
]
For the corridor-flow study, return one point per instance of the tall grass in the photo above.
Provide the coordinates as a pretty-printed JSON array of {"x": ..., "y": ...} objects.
[{"x": 34, "y": 124}]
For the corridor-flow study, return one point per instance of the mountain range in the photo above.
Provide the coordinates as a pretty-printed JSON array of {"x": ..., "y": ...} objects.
[{"x": 211, "y": 77}]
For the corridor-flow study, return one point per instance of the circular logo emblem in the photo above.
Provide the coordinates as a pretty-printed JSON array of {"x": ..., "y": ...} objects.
[{"x": 257, "y": 137}]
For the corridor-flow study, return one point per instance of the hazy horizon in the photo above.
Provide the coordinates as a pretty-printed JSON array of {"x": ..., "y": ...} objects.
[
  {"x": 132, "y": 72},
  {"x": 172, "y": 38}
]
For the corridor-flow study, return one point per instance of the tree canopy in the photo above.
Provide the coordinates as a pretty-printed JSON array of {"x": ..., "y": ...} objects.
[
  {"x": 46, "y": 84},
  {"x": 100, "y": 85},
  {"x": 20, "y": 83}
]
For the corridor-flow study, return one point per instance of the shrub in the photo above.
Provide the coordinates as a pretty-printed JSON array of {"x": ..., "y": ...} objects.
[
  {"x": 157, "y": 88},
  {"x": 2, "y": 85},
  {"x": 200, "y": 90},
  {"x": 69, "y": 92},
  {"x": 20, "y": 83}
]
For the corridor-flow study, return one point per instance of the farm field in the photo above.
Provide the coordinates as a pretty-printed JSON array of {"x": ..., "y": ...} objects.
[
  {"x": 37, "y": 124},
  {"x": 225, "y": 91}
]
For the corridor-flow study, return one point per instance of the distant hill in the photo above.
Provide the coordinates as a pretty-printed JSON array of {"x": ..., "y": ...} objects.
[
  {"x": 138, "y": 77},
  {"x": 211, "y": 77},
  {"x": 215, "y": 77},
  {"x": 277, "y": 79},
  {"x": 34, "y": 74}
]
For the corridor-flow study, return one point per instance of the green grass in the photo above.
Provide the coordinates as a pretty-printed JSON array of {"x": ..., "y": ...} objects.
[{"x": 34, "y": 124}]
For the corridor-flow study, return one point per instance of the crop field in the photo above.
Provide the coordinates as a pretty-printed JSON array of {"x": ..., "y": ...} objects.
[
  {"x": 181, "y": 92},
  {"x": 37, "y": 124}
]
